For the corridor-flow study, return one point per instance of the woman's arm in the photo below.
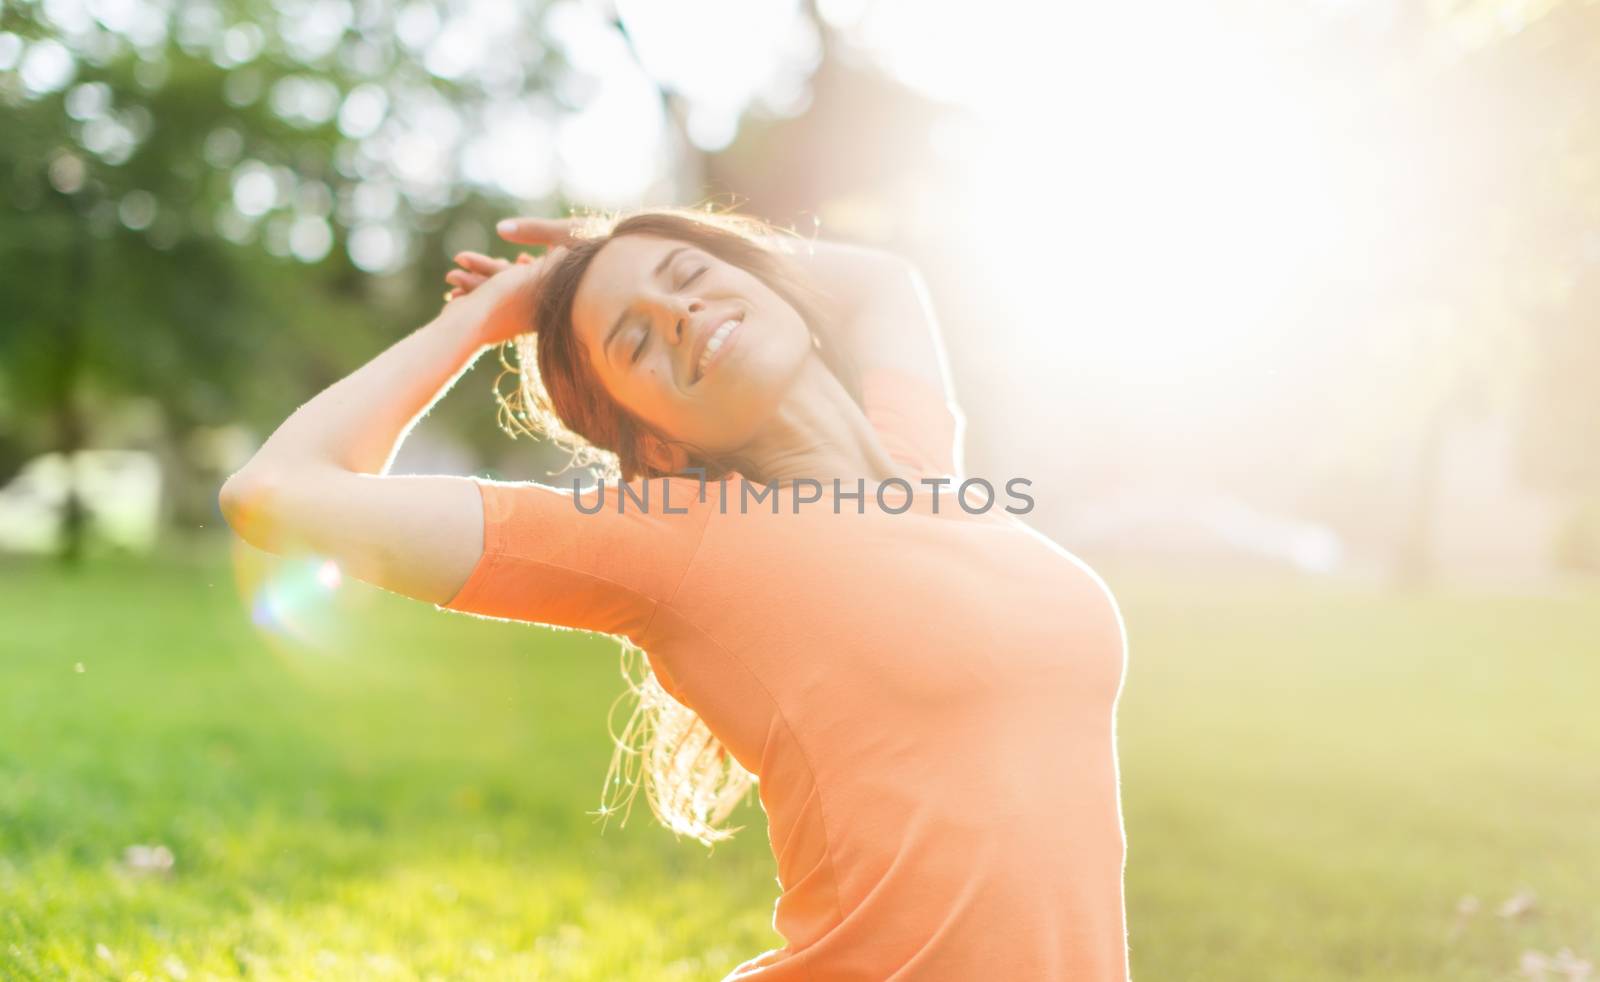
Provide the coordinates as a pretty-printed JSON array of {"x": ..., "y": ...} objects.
[
  {"x": 319, "y": 483},
  {"x": 888, "y": 315}
]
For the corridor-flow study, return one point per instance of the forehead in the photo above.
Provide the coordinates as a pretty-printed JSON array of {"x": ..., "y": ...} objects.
[{"x": 619, "y": 272}]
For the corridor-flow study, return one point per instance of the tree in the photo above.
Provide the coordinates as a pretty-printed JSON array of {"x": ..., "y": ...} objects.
[{"x": 201, "y": 207}]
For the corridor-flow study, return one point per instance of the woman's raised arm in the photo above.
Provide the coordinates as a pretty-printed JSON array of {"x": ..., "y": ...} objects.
[
  {"x": 889, "y": 319},
  {"x": 319, "y": 483}
]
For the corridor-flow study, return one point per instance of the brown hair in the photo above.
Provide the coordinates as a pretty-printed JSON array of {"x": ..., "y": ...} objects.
[{"x": 692, "y": 783}]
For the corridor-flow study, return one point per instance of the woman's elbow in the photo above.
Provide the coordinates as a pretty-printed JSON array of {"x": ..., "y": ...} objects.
[{"x": 246, "y": 504}]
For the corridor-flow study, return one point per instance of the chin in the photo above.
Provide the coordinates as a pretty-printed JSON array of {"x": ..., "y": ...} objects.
[{"x": 748, "y": 392}]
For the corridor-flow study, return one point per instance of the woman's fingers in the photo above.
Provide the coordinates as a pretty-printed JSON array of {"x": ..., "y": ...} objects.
[
  {"x": 536, "y": 231},
  {"x": 465, "y": 280},
  {"x": 477, "y": 262},
  {"x": 478, "y": 269}
]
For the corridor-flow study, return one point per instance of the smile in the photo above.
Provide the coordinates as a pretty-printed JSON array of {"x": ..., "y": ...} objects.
[{"x": 717, "y": 345}]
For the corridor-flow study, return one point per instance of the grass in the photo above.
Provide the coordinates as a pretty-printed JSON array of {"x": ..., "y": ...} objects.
[
  {"x": 1314, "y": 778},
  {"x": 1317, "y": 777}
]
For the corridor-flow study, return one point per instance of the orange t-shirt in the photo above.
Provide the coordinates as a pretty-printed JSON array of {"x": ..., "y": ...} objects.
[{"x": 928, "y": 700}]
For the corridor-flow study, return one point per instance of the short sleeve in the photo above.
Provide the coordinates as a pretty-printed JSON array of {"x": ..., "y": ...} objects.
[
  {"x": 599, "y": 559},
  {"x": 918, "y": 427}
]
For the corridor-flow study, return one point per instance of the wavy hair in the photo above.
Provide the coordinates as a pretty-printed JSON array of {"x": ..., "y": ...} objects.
[{"x": 690, "y": 779}]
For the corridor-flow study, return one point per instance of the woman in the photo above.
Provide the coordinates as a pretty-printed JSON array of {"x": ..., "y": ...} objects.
[{"x": 924, "y": 691}]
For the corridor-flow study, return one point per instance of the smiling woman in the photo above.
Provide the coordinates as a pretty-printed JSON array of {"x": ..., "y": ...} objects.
[
  {"x": 631, "y": 314},
  {"x": 926, "y": 699}
]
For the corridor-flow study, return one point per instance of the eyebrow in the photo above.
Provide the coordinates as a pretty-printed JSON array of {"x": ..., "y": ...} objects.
[{"x": 622, "y": 317}]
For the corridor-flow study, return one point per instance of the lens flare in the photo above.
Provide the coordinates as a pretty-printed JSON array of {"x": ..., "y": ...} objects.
[{"x": 299, "y": 604}]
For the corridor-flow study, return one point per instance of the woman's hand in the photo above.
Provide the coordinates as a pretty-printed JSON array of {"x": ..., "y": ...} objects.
[
  {"x": 497, "y": 295},
  {"x": 508, "y": 310},
  {"x": 475, "y": 269}
]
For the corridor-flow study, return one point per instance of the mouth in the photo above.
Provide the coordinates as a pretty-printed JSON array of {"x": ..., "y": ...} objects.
[{"x": 714, "y": 345}]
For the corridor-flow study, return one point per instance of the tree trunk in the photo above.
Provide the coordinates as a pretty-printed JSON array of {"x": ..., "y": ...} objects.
[{"x": 68, "y": 419}]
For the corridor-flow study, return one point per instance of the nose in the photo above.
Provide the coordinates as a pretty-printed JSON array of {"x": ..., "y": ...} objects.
[{"x": 679, "y": 313}]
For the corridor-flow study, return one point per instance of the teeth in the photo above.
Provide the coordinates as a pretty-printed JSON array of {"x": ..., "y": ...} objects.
[{"x": 715, "y": 342}]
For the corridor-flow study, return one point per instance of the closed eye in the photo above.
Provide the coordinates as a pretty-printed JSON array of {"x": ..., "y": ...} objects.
[{"x": 645, "y": 335}]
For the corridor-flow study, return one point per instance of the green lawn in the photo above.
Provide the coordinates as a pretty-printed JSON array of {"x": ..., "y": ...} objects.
[{"x": 1314, "y": 777}]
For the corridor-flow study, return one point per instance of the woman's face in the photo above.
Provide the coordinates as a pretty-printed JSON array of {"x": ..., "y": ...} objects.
[{"x": 699, "y": 348}]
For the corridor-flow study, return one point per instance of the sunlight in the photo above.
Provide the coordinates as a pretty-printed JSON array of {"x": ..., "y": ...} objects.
[
  {"x": 1148, "y": 201},
  {"x": 611, "y": 149},
  {"x": 719, "y": 54}
]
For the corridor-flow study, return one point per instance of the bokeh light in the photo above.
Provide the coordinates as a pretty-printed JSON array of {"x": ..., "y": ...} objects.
[{"x": 301, "y": 605}]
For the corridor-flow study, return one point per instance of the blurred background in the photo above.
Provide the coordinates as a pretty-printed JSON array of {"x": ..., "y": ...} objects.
[
  {"x": 1306, "y": 283},
  {"x": 1287, "y": 310}
]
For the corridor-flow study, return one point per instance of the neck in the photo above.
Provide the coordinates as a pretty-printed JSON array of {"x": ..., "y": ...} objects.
[{"x": 819, "y": 432}]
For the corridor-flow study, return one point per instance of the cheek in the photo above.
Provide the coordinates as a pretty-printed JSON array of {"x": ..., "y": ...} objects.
[
  {"x": 782, "y": 346},
  {"x": 650, "y": 394}
]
